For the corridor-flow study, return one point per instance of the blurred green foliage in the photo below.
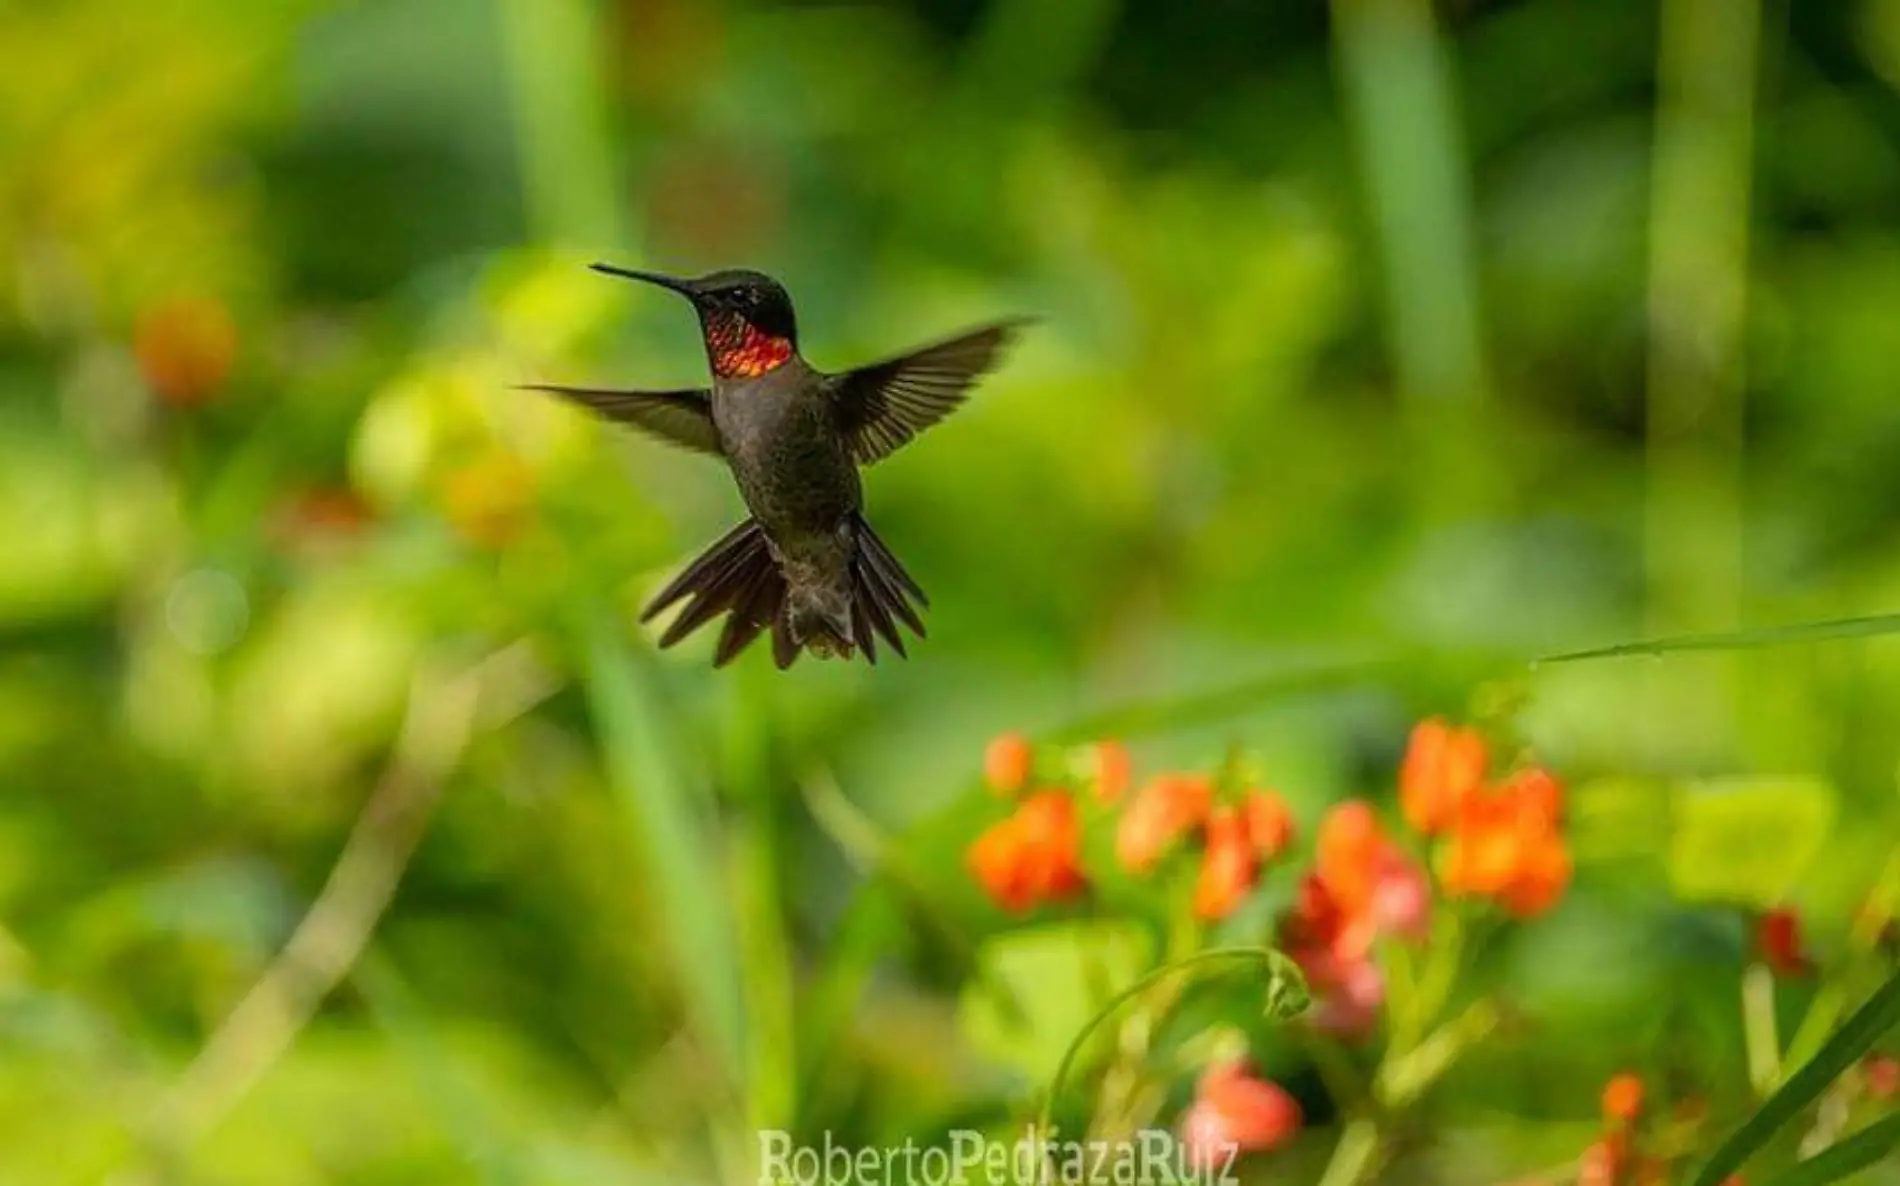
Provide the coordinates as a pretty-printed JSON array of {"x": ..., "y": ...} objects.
[{"x": 1350, "y": 316}]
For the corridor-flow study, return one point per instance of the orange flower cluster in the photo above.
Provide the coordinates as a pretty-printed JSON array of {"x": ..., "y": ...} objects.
[
  {"x": 1363, "y": 886},
  {"x": 1503, "y": 841},
  {"x": 1034, "y": 855},
  {"x": 1238, "y": 838},
  {"x": 1235, "y": 1111}
]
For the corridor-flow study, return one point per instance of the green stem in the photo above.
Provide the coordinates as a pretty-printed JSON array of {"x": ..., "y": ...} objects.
[
  {"x": 1402, "y": 1081},
  {"x": 1355, "y": 1155},
  {"x": 1759, "y": 1034}
]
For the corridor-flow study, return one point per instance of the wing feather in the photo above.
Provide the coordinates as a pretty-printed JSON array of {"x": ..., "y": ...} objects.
[
  {"x": 681, "y": 418},
  {"x": 884, "y": 405}
]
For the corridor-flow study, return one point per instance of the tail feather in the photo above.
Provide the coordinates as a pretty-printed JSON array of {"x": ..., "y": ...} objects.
[
  {"x": 873, "y": 597},
  {"x": 784, "y": 647},
  {"x": 762, "y": 603},
  {"x": 737, "y": 563},
  {"x": 883, "y": 601},
  {"x": 732, "y": 547},
  {"x": 888, "y": 564},
  {"x": 739, "y": 576},
  {"x": 861, "y": 632}
]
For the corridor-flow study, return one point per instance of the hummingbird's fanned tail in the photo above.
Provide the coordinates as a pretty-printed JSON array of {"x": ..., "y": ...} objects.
[
  {"x": 740, "y": 577},
  {"x": 736, "y": 576}
]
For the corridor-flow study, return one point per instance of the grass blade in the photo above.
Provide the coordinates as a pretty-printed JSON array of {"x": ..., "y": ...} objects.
[
  {"x": 668, "y": 811},
  {"x": 1862, "y": 1030},
  {"x": 1202, "y": 708},
  {"x": 1740, "y": 640},
  {"x": 1852, "y": 1155}
]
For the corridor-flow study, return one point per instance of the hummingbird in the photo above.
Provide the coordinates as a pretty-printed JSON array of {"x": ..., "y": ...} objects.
[{"x": 805, "y": 564}]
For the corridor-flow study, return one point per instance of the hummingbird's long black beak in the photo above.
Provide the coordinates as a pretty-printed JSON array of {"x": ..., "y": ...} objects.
[{"x": 674, "y": 283}]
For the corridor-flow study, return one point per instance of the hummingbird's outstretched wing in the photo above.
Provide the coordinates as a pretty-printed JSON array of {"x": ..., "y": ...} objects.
[
  {"x": 677, "y": 417},
  {"x": 886, "y": 404}
]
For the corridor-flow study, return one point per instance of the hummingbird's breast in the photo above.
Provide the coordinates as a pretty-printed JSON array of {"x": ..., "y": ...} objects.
[{"x": 790, "y": 460}]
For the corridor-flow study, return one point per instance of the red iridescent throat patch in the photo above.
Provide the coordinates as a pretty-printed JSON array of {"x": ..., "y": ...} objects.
[{"x": 741, "y": 350}]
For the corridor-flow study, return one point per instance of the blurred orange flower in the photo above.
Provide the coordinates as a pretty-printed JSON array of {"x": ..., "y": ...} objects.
[
  {"x": 1033, "y": 856},
  {"x": 1159, "y": 815},
  {"x": 321, "y": 515},
  {"x": 1882, "y": 1072},
  {"x": 1008, "y": 762},
  {"x": 1363, "y": 886},
  {"x": 1443, "y": 765},
  {"x": 1374, "y": 887},
  {"x": 185, "y": 348},
  {"x": 1269, "y": 823},
  {"x": 1622, "y": 1099},
  {"x": 1506, "y": 844},
  {"x": 1234, "y": 1110},
  {"x": 486, "y": 501},
  {"x": 1114, "y": 771},
  {"x": 1602, "y": 1164},
  {"x": 1228, "y": 866},
  {"x": 1350, "y": 845},
  {"x": 1778, "y": 943},
  {"x": 1538, "y": 791}
]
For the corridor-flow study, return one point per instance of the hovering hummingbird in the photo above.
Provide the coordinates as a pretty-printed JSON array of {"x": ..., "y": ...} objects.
[{"x": 805, "y": 564}]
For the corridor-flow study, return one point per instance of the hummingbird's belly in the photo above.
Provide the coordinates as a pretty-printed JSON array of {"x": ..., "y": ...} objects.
[{"x": 793, "y": 472}]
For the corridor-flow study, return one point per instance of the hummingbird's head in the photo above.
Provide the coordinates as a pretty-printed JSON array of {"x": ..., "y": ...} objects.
[{"x": 746, "y": 317}]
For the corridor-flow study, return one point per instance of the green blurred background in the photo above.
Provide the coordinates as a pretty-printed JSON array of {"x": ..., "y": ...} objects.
[{"x": 1384, "y": 346}]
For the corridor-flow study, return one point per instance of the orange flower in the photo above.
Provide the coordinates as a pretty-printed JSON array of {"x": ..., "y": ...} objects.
[
  {"x": 1778, "y": 943},
  {"x": 1160, "y": 814},
  {"x": 1008, "y": 762},
  {"x": 1227, "y": 869},
  {"x": 1350, "y": 845},
  {"x": 1269, "y": 823},
  {"x": 185, "y": 348},
  {"x": 1538, "y": 792},
  {"x": 1364, "y": 887},
  {"x": 1622, "y": 1100},
  {"x": 1368, "y": 883},
  {"x": 996, "y": 858},
  {"x": 1033, "y": 856},
  {"x": 1506, "y": 845},
  {"x": 1442, "y": 766},
  {"x": 1114, "y": 771},
  {"x": 1234, "y": 1110}
]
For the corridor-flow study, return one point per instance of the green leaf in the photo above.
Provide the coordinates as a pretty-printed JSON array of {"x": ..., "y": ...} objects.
[
  {"x": 1862, "y": 1030},
  {"x": 1837, "y": 1161},
  {"x": 1039, "y": 987},
  {"x": 1741, "y": 640},
  {"x": 669, "y": 812},
  {"x": 1747, "y": 840}
]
